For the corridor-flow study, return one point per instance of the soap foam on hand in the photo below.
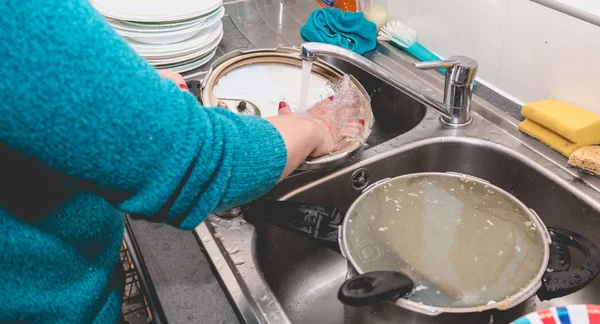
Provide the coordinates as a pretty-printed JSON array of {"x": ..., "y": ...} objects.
[
  {"x": 344, "y": 111},
  {"x": 266, "y": 84}
]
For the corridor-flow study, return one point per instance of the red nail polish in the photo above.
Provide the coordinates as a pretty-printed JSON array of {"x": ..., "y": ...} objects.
[
  {"x": 331, "y": 98},
  {"x": 282, "y": 104},
  {"x": 183, "y": 86},
  {"x": 362, "y": 122}
]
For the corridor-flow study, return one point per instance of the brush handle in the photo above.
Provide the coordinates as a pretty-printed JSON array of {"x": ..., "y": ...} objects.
[{"x": 423, "y": 54}]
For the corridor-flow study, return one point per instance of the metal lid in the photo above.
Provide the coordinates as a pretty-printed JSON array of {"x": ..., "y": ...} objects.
[
  {"x": 249, "y": 72},
  {"x": 467, "y": 245}
]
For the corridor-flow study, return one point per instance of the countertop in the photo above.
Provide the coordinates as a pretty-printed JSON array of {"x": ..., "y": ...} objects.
[{"x": 183, "y": 286}]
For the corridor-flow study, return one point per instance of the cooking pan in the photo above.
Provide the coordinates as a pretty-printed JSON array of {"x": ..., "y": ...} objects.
[{"x": 436, "y": 243}]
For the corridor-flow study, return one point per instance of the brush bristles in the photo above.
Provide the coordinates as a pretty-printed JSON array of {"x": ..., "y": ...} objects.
[{"x": 398, "y": 33}]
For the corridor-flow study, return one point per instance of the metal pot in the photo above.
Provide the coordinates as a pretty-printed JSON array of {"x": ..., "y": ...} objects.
[
  {"x": 285, "y": 58},
  {"x": 543, "y": 270},
  {"x": 557, "y": 271},
  {"x": 389, "y": 313}
]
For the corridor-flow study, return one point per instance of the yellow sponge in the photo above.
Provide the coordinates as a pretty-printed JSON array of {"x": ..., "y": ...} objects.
[
  {"x": 550, "y": 138},
  {"x": 574, "y": 124}
]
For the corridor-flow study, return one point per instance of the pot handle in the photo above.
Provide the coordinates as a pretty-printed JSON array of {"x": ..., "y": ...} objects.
[
  {"x": 314, "y": 222},
  {"x": 195, "y": 88},
  {"x": 374, "y": 287},
  {"x": 557, "y": 283},
  {"x": 560, "y": 256}
]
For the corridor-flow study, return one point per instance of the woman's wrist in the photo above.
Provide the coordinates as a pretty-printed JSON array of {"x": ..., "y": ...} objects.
[
  {"x": 320, "y": 134},
  {"x": 301, "y": 137},
  {"x": 315, "y": 128}
]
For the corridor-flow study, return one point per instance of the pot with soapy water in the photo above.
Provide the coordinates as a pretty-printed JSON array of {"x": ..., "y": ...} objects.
[{"x": 438, "y": 248}]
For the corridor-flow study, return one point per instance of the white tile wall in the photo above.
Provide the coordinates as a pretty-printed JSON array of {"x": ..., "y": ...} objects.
[
  {"x": 480, "y": 36},
  {"x": 524, "y": 49},
  {"x": 555, "y": 58}
]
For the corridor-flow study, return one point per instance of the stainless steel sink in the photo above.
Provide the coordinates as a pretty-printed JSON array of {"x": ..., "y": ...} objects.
[
  {"x": 276, "y": 277},
  {"x": 305, "y": 277}
]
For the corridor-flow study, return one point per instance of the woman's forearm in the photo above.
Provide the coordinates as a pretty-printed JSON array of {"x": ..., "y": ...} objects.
[
  {"x": 301, "y": 136},
  {"x": 107, "y": 123}
]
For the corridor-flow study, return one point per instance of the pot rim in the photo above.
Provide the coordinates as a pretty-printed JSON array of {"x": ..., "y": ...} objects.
[{"x": 529, "y": 290}]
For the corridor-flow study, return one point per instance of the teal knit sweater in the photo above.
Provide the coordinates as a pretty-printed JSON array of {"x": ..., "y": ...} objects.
[{"x": 89, "y": 131}]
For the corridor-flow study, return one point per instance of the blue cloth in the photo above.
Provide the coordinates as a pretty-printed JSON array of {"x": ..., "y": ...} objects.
[
  {"x": 89, "y": 131},
  {"x": 350, "y": 30}
]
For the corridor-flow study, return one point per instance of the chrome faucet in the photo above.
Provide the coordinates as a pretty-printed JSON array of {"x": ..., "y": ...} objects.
[{"x": 460, "y": 74}]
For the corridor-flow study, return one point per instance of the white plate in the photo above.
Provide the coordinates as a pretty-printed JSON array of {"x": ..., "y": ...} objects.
[
  {"x": 134, "y": 27},
  {"x": 193, "y": 44},
  {"x": 194, "y": 50},
  {"x": 191, "y": 65},
  {"x": 172, "y": 37},
  {"x": 160, "y": 11},
  {"x": 188, "y": 57},
  {"x": 162, "y": 39},
  {"x": 156, "y": 10},
  {"x": 126, "y": 26},
  {"x": 171, "y": 24},
  {"x": 208, "y": 34}
]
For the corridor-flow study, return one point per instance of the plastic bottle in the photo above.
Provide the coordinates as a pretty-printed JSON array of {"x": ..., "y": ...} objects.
[
  {"x": 375, "y": 11},
  {"x": 345, "y": 5}
]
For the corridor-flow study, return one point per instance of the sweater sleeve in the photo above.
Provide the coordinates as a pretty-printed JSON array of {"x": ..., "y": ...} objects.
[{"x": 81, "y": 102}]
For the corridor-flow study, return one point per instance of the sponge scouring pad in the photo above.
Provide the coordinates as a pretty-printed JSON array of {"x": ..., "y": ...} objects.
[{"x": 587, "y": 158}]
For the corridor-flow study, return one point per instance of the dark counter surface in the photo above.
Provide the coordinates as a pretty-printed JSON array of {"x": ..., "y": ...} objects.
[{"x": 183, "y": 284}]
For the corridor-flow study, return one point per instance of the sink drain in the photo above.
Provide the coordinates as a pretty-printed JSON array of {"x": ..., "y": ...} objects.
[{"x": 360, "y": 179}]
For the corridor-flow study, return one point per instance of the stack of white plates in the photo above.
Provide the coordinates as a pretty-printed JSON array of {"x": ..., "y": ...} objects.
[{"x": 179, "y": 35}]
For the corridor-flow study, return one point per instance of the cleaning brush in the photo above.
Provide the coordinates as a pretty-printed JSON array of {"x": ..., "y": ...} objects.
[{"x": 406, "y": 38}]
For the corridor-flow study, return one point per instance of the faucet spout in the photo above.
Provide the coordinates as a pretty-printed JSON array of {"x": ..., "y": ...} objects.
[
  {"x": 307, "y": 53},
  {"x": 451, "y": 115}
]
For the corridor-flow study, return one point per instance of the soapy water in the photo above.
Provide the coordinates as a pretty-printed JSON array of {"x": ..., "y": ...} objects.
[
  {"x": 464, "y": 243},
  {"x": 342, "y": 114}
]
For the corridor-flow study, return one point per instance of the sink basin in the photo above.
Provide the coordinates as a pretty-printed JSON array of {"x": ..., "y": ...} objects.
[
  {"x": 276, "y": 277},
  {"x": 305, "y": 277}
]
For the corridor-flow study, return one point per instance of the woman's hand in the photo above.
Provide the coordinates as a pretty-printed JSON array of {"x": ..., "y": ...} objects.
[
  {"x": 339, "y": 123},
  {"x": 175, "y": 77}
]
